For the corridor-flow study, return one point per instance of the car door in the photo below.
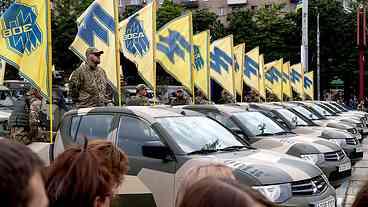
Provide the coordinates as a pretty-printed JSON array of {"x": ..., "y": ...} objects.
[
  {"x": 147, "y": 176},
  {"x": 76, "y": 128}
]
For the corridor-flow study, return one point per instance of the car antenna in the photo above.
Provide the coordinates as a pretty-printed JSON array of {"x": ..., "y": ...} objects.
[{"x": 183, "y": 113}]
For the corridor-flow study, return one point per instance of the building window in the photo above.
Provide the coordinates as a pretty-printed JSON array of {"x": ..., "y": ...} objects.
[
  {"x": 268, "y": 6},
  {"x": 221, "y": 11},
  {"x": 253, "y": 8}
]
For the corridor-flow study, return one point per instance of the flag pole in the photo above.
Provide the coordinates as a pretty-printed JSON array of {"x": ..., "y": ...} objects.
[
  {"x": 117, "y": 49},
  {"x": 49, "y": 67},
  {"x": 192, "y": 56},
  {"x": 154, "y": 52}
]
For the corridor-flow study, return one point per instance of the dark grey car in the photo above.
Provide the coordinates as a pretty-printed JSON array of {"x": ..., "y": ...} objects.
[
  {"x": 163, "y": 143},
  {"x": 264, "y": 133}
]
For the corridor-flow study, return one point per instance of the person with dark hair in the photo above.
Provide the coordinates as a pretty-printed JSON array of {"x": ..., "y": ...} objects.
[
  {"x": 220, "y": 192},
  {"x": 361, "y": 199},
  {"x": 114, "y": 159},
  {"x": 78, "y": 178},
  {"x": 21, "y": 180}
]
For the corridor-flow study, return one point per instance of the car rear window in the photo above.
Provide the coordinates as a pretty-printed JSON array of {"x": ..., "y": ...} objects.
[{"x": 94, "y": 127}]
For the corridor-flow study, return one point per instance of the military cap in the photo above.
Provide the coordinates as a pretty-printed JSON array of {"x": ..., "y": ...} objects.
[
  {"x": 93, "y": 50},
  {"x": 141, "y": 87}
]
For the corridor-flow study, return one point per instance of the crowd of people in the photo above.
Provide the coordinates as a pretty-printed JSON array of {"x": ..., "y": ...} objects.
[{"x": 89, "y": 175}]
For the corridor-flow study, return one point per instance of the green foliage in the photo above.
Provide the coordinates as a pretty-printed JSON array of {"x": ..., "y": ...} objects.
[
  {"x": 64, "y": 30},
  {"x": 167, "y": 12},
  {"x": 203, "y": 19}
]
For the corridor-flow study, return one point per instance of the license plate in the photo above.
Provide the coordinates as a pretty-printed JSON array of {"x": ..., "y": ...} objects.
[
  {"x": 345, "y": 167},
  {"x": 359, "y": 149},
  {"x": 327, "y": 203}
]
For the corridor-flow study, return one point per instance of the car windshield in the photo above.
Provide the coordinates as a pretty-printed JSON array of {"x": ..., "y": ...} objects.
[
  {"x": 321, "y": 110},
  {"x": 306, "y": 113},
  {"x": 340, "y": 107},
  {"x": 327, "y": 108},
  {"x": 292, "y": 118},
  {"x": 337, "y": 110},
  {"x": 258, "y": 124},
  {"x": 196, "y": 133}
]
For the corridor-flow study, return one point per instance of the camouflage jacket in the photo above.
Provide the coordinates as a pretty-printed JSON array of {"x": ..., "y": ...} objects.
[
  {"x": 137, "y": 101},
  {"x": 180, "y": 101},
  {"x": 89, "y": 87},
  {"x": 201, "y": 100},
  {"x": 226, "y": 100}
]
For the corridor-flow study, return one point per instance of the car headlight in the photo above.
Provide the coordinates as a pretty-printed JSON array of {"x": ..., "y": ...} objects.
[
  {"x": 339, "y": 142},
  {"x": 275, "y": 193},
  {"x": 312, "y": 158}
]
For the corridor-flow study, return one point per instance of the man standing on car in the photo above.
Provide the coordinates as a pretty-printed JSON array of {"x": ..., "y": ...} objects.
[
  {"x": 89, "y": 83},
  {"x": 140, "y": 98}
]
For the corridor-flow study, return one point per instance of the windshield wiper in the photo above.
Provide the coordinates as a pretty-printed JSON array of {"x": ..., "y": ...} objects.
[
  {"x": 284, "y": 132},
  {"x": 234, "y": 148},
  {"x": 265, "y": 134},
  {"x": 203, "y": 151}
]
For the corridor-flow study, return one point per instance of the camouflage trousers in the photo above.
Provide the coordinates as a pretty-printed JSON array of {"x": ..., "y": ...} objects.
[{"x": 24, "y": 136}]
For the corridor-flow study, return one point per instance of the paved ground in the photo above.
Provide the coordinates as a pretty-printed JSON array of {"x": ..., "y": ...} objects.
[{"x": 346, "y": 193}]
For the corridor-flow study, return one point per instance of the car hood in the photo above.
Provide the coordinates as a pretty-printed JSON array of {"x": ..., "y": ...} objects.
[
  {"x": 4, "y": 115},
  {"x": 323, "y": 132},
  {"x": 266, "y": 166},
  {"x": 284, "y": 143}
]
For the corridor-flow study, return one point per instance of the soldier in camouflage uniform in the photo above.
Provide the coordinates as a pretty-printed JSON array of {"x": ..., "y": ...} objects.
[
  {"x": 89, "y": 83},
  {"x": 140, "y": 99},
  {"x": 24, "y": 121},
  {"x": 200, "y": 98},
  {"x": 226, "y": 98},
  {"x": 180, "y": 98}
]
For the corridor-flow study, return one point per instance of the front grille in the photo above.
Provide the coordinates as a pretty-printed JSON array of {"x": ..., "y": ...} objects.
[
  {"x": 352, "y": 141},
  {"x": 334, "y": 156},
  {"x": 312, "y": 186},
  {"x": 353, "y": 131}
]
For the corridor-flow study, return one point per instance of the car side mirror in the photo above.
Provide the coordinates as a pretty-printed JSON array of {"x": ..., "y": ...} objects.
[{"x": 155, "y": 149}]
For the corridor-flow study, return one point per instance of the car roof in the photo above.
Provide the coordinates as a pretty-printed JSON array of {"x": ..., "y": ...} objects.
[
  {"x": 217, "y": 107},
  {"x": 266, "y": 106},
  {"x": 147, "y": 112}
]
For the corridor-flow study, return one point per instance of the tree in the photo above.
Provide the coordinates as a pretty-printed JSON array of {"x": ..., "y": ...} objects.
[
  {"x": 64, "y": 30},
  {"x": 167, "y": 12},
  {"x": 203, "y": 20},
  {"x": 242, "y": 26}
]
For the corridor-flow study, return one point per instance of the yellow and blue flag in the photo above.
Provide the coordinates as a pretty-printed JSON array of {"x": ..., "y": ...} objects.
[
  {"x": 201, "y": 68},
  {"x": 137, "y": 40},
  {"x": 273, "y": 78},
  {"x": 296, "y": 78},
  {"x": 24, "y": 41},
  {"x": 309, "y": 84},
  {"x": 299, "y": 5},
  {"x": 286, "y": 86},
  {"x": 221, "y": 63},
  {"x": 238, "y": 68},
  {"x": 96, "y": 28},
  {"x": 174, "y": 49},
  {"x": 261, "y": 77},
  {"x": 251, "y": 69}
]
